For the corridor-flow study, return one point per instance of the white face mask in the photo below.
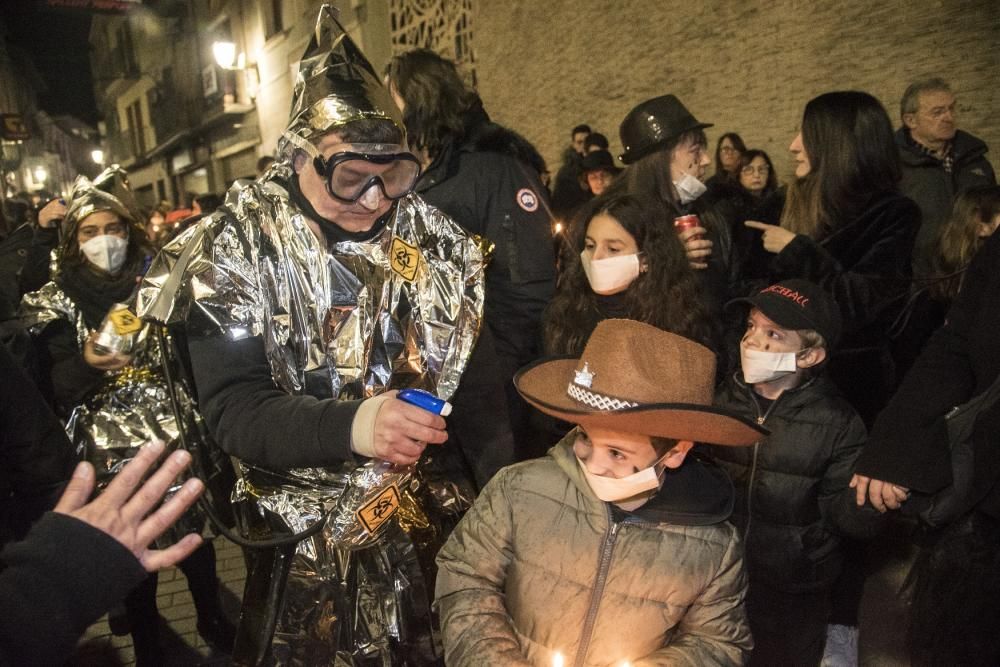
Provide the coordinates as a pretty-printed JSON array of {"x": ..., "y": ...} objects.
[
  {"x": 616, "y": 489},
  {"x": 759, "y": 366},
  {"x": 611, "y": 274},
  {"x": 689, "y": 188},
  {"x": 107, "y": 252}
]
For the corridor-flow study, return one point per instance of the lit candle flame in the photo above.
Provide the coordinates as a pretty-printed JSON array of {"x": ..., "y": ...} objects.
[{"x": 557, "y": 660}]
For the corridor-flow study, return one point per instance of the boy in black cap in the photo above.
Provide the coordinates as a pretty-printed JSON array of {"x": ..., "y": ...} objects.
[{"x": 793, "y": 503}]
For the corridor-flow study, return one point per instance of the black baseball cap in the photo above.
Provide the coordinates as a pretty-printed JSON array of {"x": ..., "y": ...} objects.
[{"x": 798, "y": 304}]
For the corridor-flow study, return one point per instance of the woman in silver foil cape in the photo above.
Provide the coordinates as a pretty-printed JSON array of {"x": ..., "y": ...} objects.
[
  {"x": 114, "y": 402},
  {"x": 310, "y": 296}
]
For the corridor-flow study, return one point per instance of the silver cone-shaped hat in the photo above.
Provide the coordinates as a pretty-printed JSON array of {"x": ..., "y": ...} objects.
[{"x": 336, "y": 84}]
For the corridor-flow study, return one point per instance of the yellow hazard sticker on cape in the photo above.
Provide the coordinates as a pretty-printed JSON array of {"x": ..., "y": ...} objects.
[
  {"x": 379, "y": 509},
  {"x": 404, "y": 258},
  {"x": 125, "y": 322}
]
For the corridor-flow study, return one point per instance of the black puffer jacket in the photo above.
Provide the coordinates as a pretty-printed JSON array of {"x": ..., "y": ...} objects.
[
  {"x": 488, "y": 182},
  {"x": 926, "y": 182},
  {"x": 792, "y": 497}
]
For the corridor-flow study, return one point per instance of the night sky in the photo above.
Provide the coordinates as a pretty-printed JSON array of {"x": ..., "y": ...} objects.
[{"x": 56, "y": 41}]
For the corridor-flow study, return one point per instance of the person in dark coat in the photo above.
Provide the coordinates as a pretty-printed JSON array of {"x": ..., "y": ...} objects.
[
  {"x": 488, "y": 179},
  {"x": 939, "y": 162},
  {"x": 847, "y": 228},
  {"x": 567, "y": 192},
  {"x": 954, "y": 610},
  {"x": 667, "y": 159},
  {"x": 37, "y": 458},
  {"x": 82, "y": 557},
  {"x": 793, "y": 503},
  {"x": 728, "y": 152}
]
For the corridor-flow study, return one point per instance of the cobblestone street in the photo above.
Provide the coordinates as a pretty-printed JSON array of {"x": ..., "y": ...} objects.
[{"x": 180, "y": 640}]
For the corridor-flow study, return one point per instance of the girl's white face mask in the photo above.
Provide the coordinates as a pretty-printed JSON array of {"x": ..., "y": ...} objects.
[
  {"x": 611, "y": 274},
  {"x": 759, "y": 366},
  {"x": 612, "y": 489},
  {"x": 689, "y": 188},
  {"x": 106, "y": 252}
]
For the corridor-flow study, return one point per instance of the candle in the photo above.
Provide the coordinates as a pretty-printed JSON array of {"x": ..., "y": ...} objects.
[{"x": 557, "y": 660}]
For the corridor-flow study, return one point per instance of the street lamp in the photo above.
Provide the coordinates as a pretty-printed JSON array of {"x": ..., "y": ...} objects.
[
  {"x": 97, "y": 155},
  {"x": 225, "y": 54}
]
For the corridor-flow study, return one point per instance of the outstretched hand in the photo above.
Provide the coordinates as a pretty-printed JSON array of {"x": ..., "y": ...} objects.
[{"x": 122, "y": 514}]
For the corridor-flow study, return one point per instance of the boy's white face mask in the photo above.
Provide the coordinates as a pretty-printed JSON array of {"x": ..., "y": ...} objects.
[
  {"x": 759, "y": 366},
  {"x": 615, "y": 489},
  {"x": 107, "y": 252},
  {"x": 611, "y": 274}
]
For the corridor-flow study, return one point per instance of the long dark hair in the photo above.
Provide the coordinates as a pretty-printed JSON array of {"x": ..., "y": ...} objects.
[
  {"x": 737, "y": 142},
  {"x": 848, "y": 138},
  {"x": 436, "y": 98},
  {"x": 748, "y": 156},
  {"x": 665, "y": 295},
  {"x": 959, "y": 239},
  {"x": 650, "y": 176}
]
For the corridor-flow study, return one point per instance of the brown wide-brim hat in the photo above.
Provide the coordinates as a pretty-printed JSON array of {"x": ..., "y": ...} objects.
[{"x": 636, "y": 378}]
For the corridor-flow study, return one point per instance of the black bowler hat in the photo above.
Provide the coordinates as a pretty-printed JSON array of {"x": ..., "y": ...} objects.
[
  {"x": 652, "y": 124},
  {"x": 798, "y": 304},
  {"x": 599, "y": 161}
]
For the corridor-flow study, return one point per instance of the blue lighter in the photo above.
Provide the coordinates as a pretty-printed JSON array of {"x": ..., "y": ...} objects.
[{"x": 426, "y": 400}]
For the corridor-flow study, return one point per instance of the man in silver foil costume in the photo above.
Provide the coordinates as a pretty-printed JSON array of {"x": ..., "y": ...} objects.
[
  {"x": 312, "y": 295},
  {"x": 114, "y": 402}
]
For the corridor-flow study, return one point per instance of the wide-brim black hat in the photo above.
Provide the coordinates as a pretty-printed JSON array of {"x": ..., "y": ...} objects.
[
  {"x": 599, "y": 161},
  {"x": 652, "y": 124}
]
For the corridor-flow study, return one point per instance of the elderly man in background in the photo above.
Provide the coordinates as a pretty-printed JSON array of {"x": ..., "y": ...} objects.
[{"x": 939, "y": 161}]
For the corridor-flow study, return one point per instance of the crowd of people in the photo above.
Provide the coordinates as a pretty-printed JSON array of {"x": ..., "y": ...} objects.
[{"x": 665, "y": 415}]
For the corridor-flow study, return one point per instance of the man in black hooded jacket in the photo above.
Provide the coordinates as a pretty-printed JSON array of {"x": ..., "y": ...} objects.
[{"x": 488, "y": 179}]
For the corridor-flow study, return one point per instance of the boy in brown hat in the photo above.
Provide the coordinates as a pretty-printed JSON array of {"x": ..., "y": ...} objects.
[{"x": 615, "y": 547}]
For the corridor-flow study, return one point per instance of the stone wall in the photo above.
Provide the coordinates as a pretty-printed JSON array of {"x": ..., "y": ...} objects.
[{"x": 746, "y": 66}]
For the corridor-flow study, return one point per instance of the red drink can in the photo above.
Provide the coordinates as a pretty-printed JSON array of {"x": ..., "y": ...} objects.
[{"x": 687, "y": 222}]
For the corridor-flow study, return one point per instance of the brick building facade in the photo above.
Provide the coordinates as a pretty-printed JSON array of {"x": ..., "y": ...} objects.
[{"x": 746, "y": 66}]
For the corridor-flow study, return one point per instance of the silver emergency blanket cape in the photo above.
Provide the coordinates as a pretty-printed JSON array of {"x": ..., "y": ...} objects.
[
  {"x": 400, "y": 310},
  {"x": 129, "y": 407}
]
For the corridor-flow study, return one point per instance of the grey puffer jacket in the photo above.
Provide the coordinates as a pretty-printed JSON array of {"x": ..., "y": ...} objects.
[
  {"x": 793, "y": 502},
  {"x": 540, "y": 565}
]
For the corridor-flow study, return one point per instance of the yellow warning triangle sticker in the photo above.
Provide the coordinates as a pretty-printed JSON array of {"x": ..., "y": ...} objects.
[{"x": 125, "y": 322}]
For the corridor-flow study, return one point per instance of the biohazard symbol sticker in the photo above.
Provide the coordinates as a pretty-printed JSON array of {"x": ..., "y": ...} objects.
[
  {"x": 379, "y": 509},
  {"x": 527, "y": 199},
  {"x": 404, "y": 258},
  {"x": 125, "y": 322}
]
